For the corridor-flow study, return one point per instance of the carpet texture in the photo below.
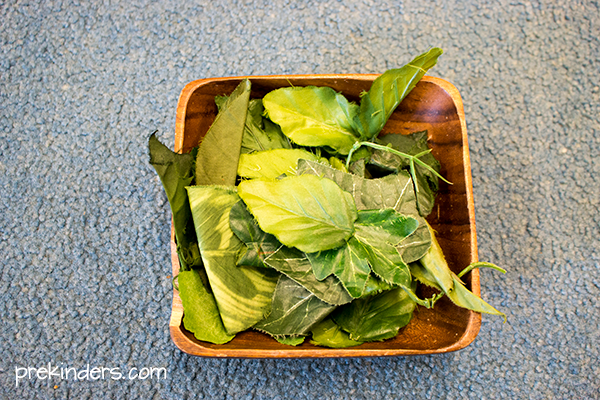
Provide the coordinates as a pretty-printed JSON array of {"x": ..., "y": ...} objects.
[{"x": 84, "y": 226}]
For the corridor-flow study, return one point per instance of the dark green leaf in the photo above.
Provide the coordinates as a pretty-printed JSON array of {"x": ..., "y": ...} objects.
[
  {"x": 201, "y": 316},
  {"x": 217, "y": 159},
  {"x": 295, "y": 264},
  {"x": 243, "y": 294},
  {"x": 376, "y": 318},
  {"x": 306, "y": 212},
  {"x": 294, "y": 310},
  {"x": 259, "y": 244},
  {"x": 313, "y": 116},
  {"x": 176, "y": 172},
  {"x": 388, "y": 90},
  {"x": 328, "y": 334}
]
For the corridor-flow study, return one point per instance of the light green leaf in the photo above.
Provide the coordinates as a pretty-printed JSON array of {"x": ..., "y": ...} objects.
[
  {"x": 291, "y": 340},
  {"x": 201, "y": 316},
  {"x": 463, "y": 297},
  {"x": 295, "y": 264},
  {"x": 271, "y": 164},
  {"x": 388, "y": 90},
  {"x": 243, "y": 294},
  {"x": 435, "y": 264},
  {"x": 329, "y": 334},
  {"x": 313, "y": 116},
  {"x": 294, "y": 310},
  {"x": 376, "y": 318},
  {"x": 218, "y": 156},
  {"x": 306, "y": 212}
]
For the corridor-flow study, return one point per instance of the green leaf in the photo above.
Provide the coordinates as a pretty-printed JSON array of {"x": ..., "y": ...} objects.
[
  {"x": 388, "y": 90},
  {"x": 291, "y": 340},
  {"x": 376, "y": 318},
  {"x": 201, "y": 316},
  {"x": 329, "y": 334},
  {"x": 348, "y": 263},
  {"x": 294, "y": 310},
  {"x": 313, "y": 116},
  {"x": 271, "y": 164},
  {"x": 393, "y": 191},
  {"x": 243, "y": 294},
  {"x": 259, "y": 244},
  {"x": 463, "y": 297},
  {"x": 427, "y": 181},
  {"x": 218, "y": 156},
  {"x": 176, "y": 172},
  {"x": 435, "y": 264},
  {"x": 306, "y": 212},
  {"x": 259, "y": 133},
  {"x": 295, "y": 265}
]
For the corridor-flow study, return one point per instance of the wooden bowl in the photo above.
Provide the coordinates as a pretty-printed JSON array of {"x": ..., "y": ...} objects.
[{"x": 433, "y": 105}]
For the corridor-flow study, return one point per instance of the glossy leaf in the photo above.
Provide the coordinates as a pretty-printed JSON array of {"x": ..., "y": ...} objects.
[
  {"x": 313, "y": 116},
  {"x": 329, "y": 334},
  {"x": 306, "y": 212},
  {"x": 243, "y": 294},
  {"x": 218, "y": 155},
  {"x": 388, "y": 90},
  {"x": 294, "y": 310},
  {"x": 176, "y": 171},
  {"x": 294, "y": 264},
  {"x": 376, "y": 318},
  {"x": 271, "y": 164},
  {"x": 201, "y": 316},
  {"x": 259, "y": 244}
]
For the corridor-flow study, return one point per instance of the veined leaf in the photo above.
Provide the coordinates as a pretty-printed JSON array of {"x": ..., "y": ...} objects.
[
  {"x": 413, "y": 144},
  {"x": 463, "y": 297},
  {"x": 329, "y": 334},
  {"x": 435, "y": 264},
  {"x": 376, "y": 318},
  {"x": 306, "y": 212},
  {"x": 176, "y": 171},
  {"x": 294, "y": 264},
  {"x": 271, "y": 164},
  {"x": 385, "y": 226},
  {"x": 218, "y": 156},
  {"x": 313, "y": 116},
  {"x": 294, "y": 310},
  {"x": 243, "y": 294},
  {"x": 259, "y": 244},
  {"x": 388, "y": 90},
  {"x": 201, "y": 316},
  {"x": 394, "y": 191}
]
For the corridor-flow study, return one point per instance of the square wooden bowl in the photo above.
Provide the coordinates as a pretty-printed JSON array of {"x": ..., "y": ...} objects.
[{"x": 433, "y": 105}]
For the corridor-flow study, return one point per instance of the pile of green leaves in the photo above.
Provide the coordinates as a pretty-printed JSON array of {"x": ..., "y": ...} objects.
[{"x": 293, "y": 218}]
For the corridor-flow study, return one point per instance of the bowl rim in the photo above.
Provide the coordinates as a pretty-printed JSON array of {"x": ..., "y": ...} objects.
[{"x": 185, "y": 344}]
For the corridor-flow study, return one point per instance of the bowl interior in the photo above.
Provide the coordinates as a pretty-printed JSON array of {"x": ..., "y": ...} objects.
[{"x": 433, "y": 105}]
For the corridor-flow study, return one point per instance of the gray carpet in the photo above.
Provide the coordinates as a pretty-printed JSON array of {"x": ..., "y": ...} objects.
[{"x": 84, "y": 227}]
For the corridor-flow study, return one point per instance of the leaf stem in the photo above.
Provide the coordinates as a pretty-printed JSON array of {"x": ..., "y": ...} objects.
[{"x": 412, "y": 159}]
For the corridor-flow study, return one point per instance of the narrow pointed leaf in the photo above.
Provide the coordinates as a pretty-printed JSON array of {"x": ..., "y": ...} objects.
[
  {"x": 306, "y": 212},
  {"x": 243, "y": 294},
  {"x": 313, "y": 116},
  {"x": 294, "y": 310},
  {"x": 463, "y": 297},
  {"x": 218, "y": 155},
  {"x": 176, "y": 171},
  {"x": 201, "y": 316},
  {"x": 388, "y": 90}
]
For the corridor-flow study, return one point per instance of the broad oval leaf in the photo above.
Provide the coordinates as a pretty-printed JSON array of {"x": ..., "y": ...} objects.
[
  {"x": 294, "y": 310},
  {"x": 376, "y": 318},
  {"x": 313, "y": 116},
  {"x": 271, "y": 164},
  {"x": 243, "y": 294},
  {"x": 306, "y": 212}
]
